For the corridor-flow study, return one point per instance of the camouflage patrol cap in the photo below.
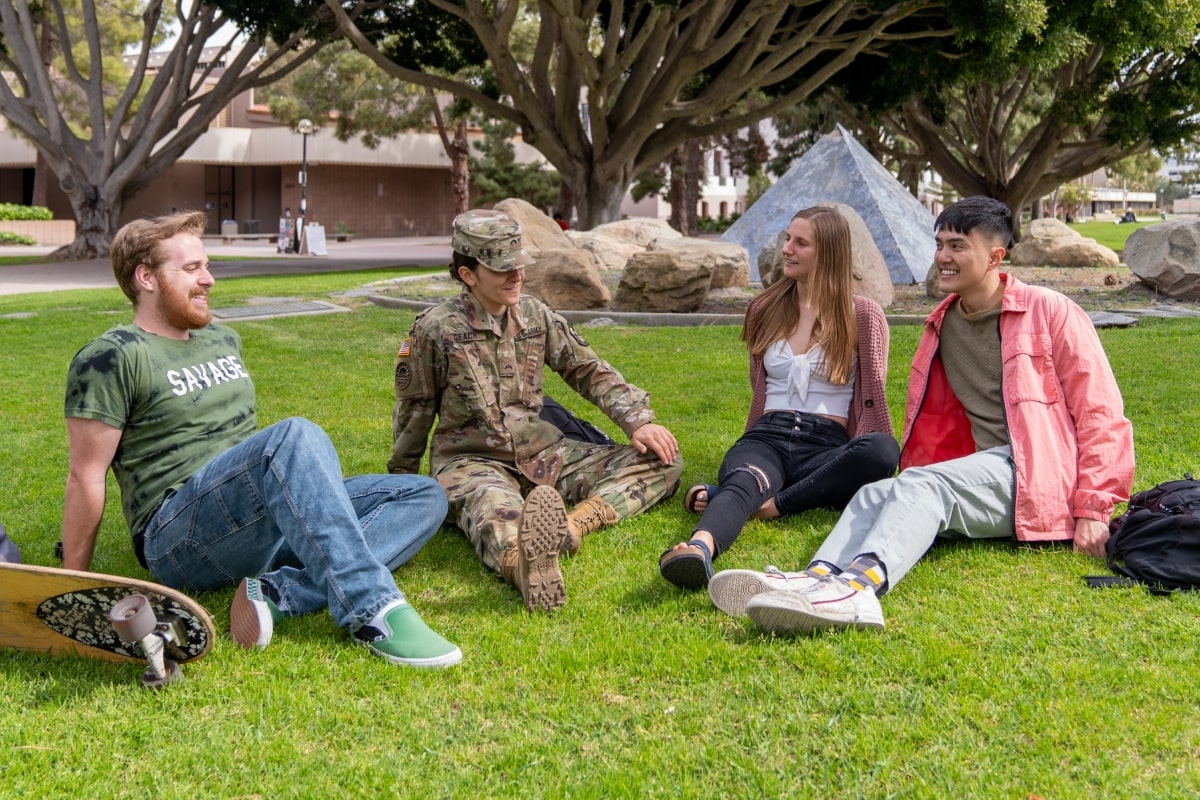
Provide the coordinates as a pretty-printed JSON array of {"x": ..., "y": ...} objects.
[{"x": 492, "y": 237}]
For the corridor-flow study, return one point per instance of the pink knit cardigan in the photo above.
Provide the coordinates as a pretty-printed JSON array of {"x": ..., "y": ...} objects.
[{"x": 868, "y": 406}]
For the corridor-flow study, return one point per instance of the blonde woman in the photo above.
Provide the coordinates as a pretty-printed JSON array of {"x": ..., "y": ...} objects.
[{"x": 818, "y": 427}]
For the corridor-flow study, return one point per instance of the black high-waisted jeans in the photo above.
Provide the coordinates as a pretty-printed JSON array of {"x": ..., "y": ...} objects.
[{"x": 802, "y": 460}]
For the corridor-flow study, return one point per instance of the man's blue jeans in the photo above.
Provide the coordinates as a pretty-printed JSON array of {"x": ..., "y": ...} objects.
[{"x": 276, "y": 506}]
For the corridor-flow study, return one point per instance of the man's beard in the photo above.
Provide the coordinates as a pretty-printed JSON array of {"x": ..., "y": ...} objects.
[{"x": 178, "y": 311}]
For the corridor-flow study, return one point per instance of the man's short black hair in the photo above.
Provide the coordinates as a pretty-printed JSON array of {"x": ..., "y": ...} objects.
[{"x": 985, "y": 214}]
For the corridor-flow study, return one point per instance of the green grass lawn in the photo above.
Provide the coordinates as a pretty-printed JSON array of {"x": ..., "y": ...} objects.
[
  {"x": 18, "y": 260},
  {"x": 1001, "y": 675},
  {"x": 1109, "y": 233}
]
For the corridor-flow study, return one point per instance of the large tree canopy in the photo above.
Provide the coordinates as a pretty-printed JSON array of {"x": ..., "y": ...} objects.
[
  {"x": 107, "y": 134},
  {"x": 342, "y": 84},
  {"x": 613, "y": 87},
  {"x": 1095, "y": 82}
]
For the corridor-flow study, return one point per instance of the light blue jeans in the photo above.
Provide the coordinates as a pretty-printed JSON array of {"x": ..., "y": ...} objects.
[
  {"x": 897, "y": 519},
  {"x": 276, "y": 506}
]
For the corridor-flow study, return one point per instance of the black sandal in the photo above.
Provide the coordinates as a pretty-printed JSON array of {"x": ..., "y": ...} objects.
[
  {"x": 687, "y": 568},
  {"x": 689, "y": 499}
]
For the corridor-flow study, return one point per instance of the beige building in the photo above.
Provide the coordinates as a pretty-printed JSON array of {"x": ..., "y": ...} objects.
[
  {"x": 245, "y": 172},
  {"x": 246, "y": 168}
]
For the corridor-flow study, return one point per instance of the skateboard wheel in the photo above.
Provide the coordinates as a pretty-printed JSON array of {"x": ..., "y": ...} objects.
[
  {"x": 173, "y": 673},
  {"x": 132, "y": 618}
]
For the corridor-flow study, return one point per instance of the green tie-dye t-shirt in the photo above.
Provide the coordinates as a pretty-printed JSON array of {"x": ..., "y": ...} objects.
[{"x": 178, "y": 404}]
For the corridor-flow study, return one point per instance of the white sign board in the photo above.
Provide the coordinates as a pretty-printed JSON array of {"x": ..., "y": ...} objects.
[{"x": 312, "y": 240}]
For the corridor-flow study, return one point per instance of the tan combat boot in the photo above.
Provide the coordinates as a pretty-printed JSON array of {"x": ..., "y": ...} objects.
[
  {"x": 587, "y": 517},
  {"x": 540, "y": 540}
]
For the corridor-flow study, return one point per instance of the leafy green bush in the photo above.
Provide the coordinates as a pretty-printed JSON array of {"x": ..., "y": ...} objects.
[
  {"x": 7, "y": 237},
  {"x": 12, "y": 211},
  {"x": 718, "y": 225},
  {"x": 758, "y": 186}
]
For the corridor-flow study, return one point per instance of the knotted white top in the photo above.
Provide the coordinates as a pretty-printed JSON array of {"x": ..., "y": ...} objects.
[{"x": 799, "y": 382}]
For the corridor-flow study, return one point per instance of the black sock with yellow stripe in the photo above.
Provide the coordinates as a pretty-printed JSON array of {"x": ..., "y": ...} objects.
[
  {"x": 864, "y": 571},
  {"x": 821, "y": 569}
]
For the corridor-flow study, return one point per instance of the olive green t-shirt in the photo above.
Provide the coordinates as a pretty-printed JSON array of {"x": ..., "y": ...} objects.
[
  {"x": 970, "y": 350},
  {"x": 178, "y": 404}
]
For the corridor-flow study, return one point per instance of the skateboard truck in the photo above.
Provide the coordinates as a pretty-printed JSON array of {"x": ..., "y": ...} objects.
[{"x": 134, "y": 621}]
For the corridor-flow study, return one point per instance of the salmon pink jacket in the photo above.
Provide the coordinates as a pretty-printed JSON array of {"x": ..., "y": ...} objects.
[{"x": 1072, "y": 445}]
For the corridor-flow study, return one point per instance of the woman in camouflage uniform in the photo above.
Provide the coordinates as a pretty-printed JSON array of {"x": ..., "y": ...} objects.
[{"x": 475, "y": 365}]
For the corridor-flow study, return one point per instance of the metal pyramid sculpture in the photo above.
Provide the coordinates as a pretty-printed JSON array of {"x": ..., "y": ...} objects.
[{"x": 838, "y": 168}]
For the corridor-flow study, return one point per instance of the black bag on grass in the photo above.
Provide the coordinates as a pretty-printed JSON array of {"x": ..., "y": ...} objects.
[
  {"x": 572, "y": 426},
  {"x": 1156, "y": 542}
]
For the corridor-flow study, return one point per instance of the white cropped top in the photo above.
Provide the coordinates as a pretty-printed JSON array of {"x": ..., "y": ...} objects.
[{"x": 795, "y": 382}]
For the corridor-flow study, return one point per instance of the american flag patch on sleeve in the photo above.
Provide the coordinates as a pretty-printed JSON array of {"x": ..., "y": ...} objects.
[{"x": 405, "y": 348}]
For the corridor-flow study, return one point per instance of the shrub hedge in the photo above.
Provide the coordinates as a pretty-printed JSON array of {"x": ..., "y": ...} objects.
[
  {"x": 7, "y": 237},
  {"x": 12, "y": 211}
]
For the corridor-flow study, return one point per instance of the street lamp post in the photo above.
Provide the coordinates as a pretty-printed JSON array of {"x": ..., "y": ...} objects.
[{"x": 305, "y": 127}]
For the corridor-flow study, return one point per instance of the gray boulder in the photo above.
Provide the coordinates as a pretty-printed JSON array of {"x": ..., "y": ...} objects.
[
  {"x": 1051, "y": 243},
  {"x": 538, "y": 231},
  {"x": 638, "y": 230},
  {"x": 729, "y": 262},
  {"x": 1166, "y": 257},
  {"x": 610, "y": 252},
  {"x": 567, "y": 279},
  {"x": 931, "y": 283},
  {"x": 660, "y": 281}
]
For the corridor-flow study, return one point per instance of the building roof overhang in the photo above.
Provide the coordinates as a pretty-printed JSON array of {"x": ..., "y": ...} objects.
[{"x": 275, "y": 146}]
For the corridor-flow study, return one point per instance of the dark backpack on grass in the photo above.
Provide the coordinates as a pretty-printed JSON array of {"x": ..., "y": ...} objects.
[
  {"x": 571, "y": 426},
  {"x": 1156, "y": 542}
]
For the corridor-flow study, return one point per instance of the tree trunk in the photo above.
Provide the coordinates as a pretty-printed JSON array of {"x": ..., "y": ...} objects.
[
  {"x": 41, "y": 173},
  {"x": 460, "y": 170},
  {"x": 1016, "y": 205},
  {"x": 687, "y": 169},
  {"x": 96, "y": 216},
  {"x": 598, "y": 201},
  {"x": 566, "y": 200}
]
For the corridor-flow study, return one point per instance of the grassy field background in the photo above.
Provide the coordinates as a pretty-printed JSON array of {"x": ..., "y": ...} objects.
[
  {"x": 1000, "y": 674},
  {"x": 1111, "y": 234}
]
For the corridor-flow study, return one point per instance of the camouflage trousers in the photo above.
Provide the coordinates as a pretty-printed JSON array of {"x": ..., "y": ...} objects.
[{"x": 486, "y": 495}]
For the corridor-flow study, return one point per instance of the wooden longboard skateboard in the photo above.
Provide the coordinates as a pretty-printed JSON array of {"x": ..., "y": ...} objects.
[{"x": 107, "y": 617}]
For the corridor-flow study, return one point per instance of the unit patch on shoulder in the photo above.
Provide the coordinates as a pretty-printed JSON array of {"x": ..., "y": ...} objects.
[
  {"x": 569, "y": 330},
  {"x": 403, "y": 375},
  {"x": 405, "y": 348}
]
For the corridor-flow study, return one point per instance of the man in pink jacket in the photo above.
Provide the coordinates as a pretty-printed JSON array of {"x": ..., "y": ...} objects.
[{"x": 1014, "y": 428}]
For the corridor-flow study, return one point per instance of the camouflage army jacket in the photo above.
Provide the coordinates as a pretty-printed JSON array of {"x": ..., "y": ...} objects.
[{"x": 484, "y": 386}]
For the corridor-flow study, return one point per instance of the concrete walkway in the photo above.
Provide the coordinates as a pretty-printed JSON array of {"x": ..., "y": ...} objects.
[
  {"x": 262, "y": 258},
  {"x": 250, "y": 258}
]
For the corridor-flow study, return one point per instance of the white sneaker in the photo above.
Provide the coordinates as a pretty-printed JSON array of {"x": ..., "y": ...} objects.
[
  {"x": 832, "y": 603},
  {"x": 731, "y": 588}
]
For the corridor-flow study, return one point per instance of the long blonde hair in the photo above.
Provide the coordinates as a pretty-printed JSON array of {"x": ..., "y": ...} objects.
[{"x": 829, "y": 290}]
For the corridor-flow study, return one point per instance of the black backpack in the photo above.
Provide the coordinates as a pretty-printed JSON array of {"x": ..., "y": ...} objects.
[
  {"x": 1156, "y": 542},
  {"x": 572, "y": 426}
]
